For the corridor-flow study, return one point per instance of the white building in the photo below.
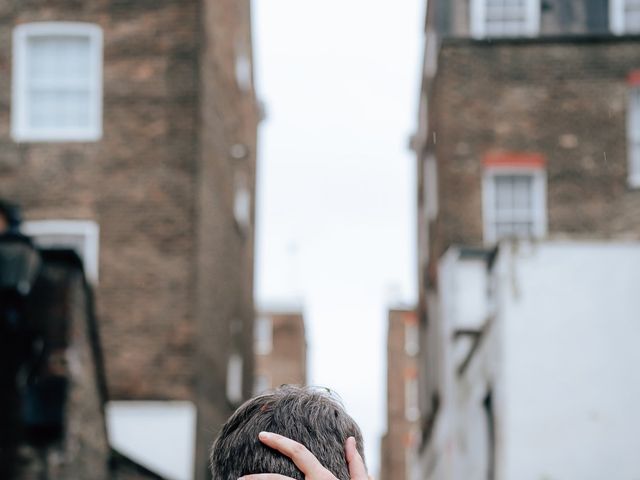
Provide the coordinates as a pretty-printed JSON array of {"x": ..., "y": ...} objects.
[{"x": 537, "y": 363}]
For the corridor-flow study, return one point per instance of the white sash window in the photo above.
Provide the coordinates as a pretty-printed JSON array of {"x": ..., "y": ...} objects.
[
  {"x": 505, "y": 18},
  {"x": 624, "y": 16},
  {"x": 633, "y": 137},
  {"x": 57, "y": 82},
  {"x": 514, "y": 203}
]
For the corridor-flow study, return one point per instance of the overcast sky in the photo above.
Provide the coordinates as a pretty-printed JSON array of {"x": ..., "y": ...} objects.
[{"x": 336, "y": 182}]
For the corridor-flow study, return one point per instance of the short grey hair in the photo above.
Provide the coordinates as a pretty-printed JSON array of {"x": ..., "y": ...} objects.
[{"x": 311, "y": 416}]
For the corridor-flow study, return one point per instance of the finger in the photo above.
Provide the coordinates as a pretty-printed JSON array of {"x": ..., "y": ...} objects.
[
  {"x": 301, "y": 456},
  {"x": 265, "y": 476},
  {"x": 357, "y": 470}
]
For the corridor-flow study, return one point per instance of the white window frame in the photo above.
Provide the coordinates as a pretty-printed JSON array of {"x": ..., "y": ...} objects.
[
  {"x": 235, "y": 367},
  {"x": 539, "y": 203},
  {"x": 411, "y": 404},
  {"x": 431, "y": 187},
  {"x": 242, "y": 202},
  {"x": 20, "y": 130},
  {"x": 263, "y": 335},
  {"x": 411, "y": 338},
  {"x": 616, "y": 17},
  {"x": 243, "y": 67},
  {"x": 478, "y": 21},
  {"x": 87, "y": 230},
  {"x": 633, "y": 138}
]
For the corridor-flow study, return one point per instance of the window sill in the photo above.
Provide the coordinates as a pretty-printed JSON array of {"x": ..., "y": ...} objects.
[{"x": 60, "y": 137}]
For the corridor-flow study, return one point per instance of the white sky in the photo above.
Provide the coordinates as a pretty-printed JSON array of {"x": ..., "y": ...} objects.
[{"x": 336, "y": 189}]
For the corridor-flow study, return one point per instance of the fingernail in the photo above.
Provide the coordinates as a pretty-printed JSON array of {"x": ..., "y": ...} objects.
[{"x": 264, "y": 435}]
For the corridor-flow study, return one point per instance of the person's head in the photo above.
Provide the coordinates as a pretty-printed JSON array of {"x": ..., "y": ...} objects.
[{"x": 310, "y": 416}]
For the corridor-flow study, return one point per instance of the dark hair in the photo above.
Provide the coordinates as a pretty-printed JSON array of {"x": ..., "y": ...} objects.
[{"x": 311, "y": 416}]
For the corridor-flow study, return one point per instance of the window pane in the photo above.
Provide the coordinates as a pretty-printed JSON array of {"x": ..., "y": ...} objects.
[
  {"x": 514, "y": 208},
  {"x": 505, "y": 17},
  {"x": 59, "y": 59},
  {"x": 504, "y": 193},
  {"x": 58, "y": 109},
  {"x": 634, "y": 114},
  {"x": 632, "y": 16},
  {"x": 634, "y": 160},
  {"x": 522, "y": 189},
  {"x": 59, "y": 92}
]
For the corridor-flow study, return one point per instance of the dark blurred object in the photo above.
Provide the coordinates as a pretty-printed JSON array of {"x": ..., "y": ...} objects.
[
  {"x": 19, "y": 268},
  {"x": 35, "y": 313},
  {"x": 10, "y": 217},
  {"x": 52, "y": 423}
]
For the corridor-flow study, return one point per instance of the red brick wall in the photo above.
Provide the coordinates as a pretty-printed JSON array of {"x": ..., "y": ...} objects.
[
  {"x": 136, "y": 183},
  {"x": 176, "y": 272},
  {"x": 526, "y": 96},
  {"x": 287, "y": 361},
  {"x": 400, "y": 437}
]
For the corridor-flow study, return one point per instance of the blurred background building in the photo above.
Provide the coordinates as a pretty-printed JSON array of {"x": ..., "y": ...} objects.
[
  {"x": 130, "y": 139},
  {"x": 529, "y": 222},
  {"x": 280, "y": 348},
  {"x": 399, "y": 442}
]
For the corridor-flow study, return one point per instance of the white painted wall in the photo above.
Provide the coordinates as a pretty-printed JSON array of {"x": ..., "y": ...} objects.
[
  {"x": 571, "y": 323},
  {"x": 560, "y": 359},
  {"x": 159, "y": 435}
]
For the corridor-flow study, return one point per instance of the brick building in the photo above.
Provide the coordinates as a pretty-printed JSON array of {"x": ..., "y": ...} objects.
[
  {"x": 528, "y": 129},
  {"x": 129, "y": 133},
  {"x": 399, "y": 442},
  {"x": 53, "y": 388},
  {"x": 280, "y": 349}
]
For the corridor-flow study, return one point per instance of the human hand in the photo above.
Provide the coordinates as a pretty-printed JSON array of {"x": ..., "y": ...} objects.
[{"x": 307, "y": 462}]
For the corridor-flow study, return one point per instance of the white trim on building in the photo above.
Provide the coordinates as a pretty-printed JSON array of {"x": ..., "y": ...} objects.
[
  {"x": 57, "y": 82},
  {"x": 160, "y": 435},
  {"x": 263, "y": 335},
  {"x": 504, "y": 18},
  {"x": 411, "y": 405},
  {"x": 234, "y": 378},
  {"x": 526, "y": 220},
  {"x": 624, "y": 16},
  {"x": 633, "y": 137},
  {"x": 83, "y": 236},
  {"x": 431, "y": 187}
]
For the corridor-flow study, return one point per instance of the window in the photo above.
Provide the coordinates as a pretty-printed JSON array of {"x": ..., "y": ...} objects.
[
  {"x": 261, "y": 384},
  {"x": 57, "y": 82},
  {"x": 263, "y": 335},
  {"x": 624, "y": 16},
  {"x": 431, "y": 187},
  {"x": 234, "y": 378},
  {"x": 242, "y": 202},
  {"x": 633, "y": 136},
  {"x": 243, "y": 67},
  {"x": 79, "y": 235},
  {"x": 505, "y": 18},
  {"x": 514, "y": 197},
  {"x": 411, "y": 408},
  {"x": 411, "y": 337}
]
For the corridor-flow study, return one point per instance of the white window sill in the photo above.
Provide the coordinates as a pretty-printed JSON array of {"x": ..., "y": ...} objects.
[{"x": 51, "y": 136}]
